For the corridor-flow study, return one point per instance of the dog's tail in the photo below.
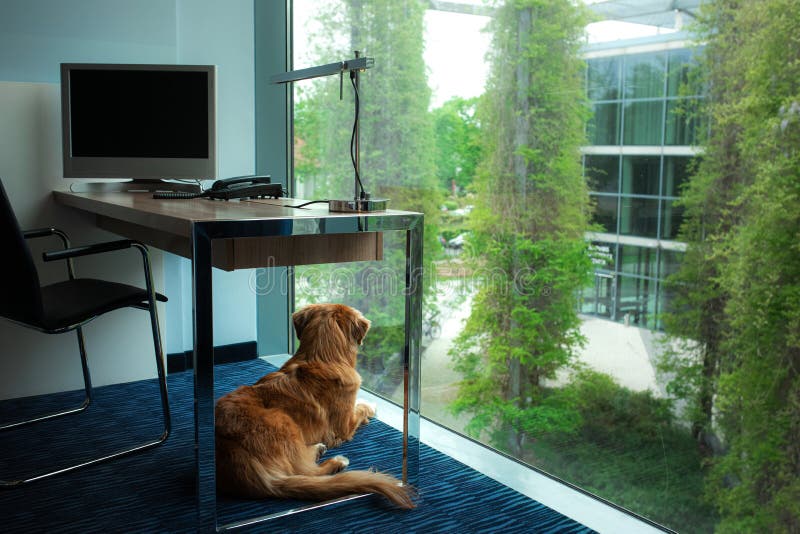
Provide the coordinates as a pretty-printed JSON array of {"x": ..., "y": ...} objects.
[{"x": 342, "y": 484}]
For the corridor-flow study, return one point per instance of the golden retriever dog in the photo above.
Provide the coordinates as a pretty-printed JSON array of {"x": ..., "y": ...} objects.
[{"x": 270, "y": 436}]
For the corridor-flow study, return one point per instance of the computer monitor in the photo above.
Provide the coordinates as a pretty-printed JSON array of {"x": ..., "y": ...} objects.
[{"x": 149, "y": 123}]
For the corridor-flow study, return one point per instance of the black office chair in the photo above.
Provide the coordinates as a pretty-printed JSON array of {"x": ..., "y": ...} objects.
[{"x": 68, "y": 305}]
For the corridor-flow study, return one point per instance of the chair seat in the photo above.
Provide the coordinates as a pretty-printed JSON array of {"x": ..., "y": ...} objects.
[{"x": 72, "y": 302}]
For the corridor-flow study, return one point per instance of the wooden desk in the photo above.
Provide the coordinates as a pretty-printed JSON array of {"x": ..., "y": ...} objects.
[{"x": 261, "y": 233}]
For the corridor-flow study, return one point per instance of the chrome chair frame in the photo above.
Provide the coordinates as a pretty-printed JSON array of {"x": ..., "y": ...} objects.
[{"x": 68, "y": 253}]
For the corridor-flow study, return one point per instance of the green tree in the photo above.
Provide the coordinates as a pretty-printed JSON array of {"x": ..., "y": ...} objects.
[
  {"x": 528, "y": 226},
  {"x": 458, "y": 142},
  {"x": 741, "y": 280}
]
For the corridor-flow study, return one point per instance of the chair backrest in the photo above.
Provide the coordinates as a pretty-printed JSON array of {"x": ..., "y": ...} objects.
[{"x": 21, "y": 291}]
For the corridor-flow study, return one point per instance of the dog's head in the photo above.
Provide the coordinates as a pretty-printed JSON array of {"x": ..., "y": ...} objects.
[{"x": 323, "y": 328}]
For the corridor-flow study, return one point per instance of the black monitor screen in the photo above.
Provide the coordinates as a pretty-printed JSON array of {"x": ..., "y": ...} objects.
[{"x": 139, "y": 113}]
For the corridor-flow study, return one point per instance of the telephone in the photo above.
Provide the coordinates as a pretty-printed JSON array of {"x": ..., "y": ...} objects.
[
  {"x": 244, "y": 187},
  {"x": 232, "y": 188}
]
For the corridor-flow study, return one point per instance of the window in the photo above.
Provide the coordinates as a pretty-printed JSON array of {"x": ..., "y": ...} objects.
[
  {"x": 676, "y": 172},
  {"x": 644, "y": 122},
  {"x": 671, "y": 218},
  {"x": 640, "y": 175},
  {"x": 639, "y": 217},
  {"x": 638, "y": 260},
  {"x": 426, "y": 146},
  {"x": 603, "y": 79},
  {"x": 602, "y": 173},
  {"x": 683, "y": 123},
  {"x": 644, "y": 76},
  {"x": 605, "y": 212},
  {"x": 604, "y": 125}
]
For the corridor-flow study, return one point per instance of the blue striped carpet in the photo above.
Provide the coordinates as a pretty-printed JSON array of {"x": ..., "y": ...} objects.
[{"x": 154, "y": 491}]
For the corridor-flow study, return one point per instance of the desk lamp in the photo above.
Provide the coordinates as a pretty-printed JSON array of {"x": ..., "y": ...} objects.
[{"x": 362, "y": 201}]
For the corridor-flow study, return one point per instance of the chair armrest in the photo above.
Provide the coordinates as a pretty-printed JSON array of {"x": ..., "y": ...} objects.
[{"x": 97, "y": 248}]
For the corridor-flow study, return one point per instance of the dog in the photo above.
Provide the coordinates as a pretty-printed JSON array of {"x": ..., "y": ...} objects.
[{"x": 271, "y": 435}]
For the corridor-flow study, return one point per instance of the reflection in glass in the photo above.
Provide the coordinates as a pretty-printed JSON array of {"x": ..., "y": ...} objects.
[
  {"x": 681, "y": 62},
  {"x": 602, "y": 173},
  {"x": 672, "y": 217},
  {"x": 597, "y": 298},
  {"x": 639, "y": 217},
  {"x": 678, "y": 71},
  {"x": 644, "y": 75},
  {"x": 605, "y": 212},
  {"x": 684, "y": 127},
  {"x": 638, "y": 260},
  {"x": 644, "y": 123},
  {"x": 636, "y": 300},
  {"x": 676, "y": 172},
  {"x": 603, "y": 78},
  {"x": 604, "y": 125},
  {"x": 670, "y": 262},
  {"x": 640, "y": 175}
]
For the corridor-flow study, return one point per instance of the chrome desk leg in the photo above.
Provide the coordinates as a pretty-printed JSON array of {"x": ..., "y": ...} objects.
[
  {"x": 411, "y": 361},
  {"x": 203, "y": 379}
]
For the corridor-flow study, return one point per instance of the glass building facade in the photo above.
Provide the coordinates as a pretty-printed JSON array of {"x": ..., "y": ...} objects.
[{"x": 643, "y": 137}]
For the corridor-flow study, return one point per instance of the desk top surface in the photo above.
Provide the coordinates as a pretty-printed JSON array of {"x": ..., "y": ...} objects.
[{"x": 177, "y": 215}]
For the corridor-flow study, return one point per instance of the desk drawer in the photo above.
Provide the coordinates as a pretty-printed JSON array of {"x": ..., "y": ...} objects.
[{"x": 250, "y": 252}]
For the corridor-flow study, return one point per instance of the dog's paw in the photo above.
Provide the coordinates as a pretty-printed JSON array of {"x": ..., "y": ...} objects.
[
  {"x": 343, "y": 460},
  {"x": 321, "y": 449},
  {"x": 369, "y": 407}
]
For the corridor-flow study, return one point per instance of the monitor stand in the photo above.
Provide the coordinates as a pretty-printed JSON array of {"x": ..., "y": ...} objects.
[{"x": 134, "y": 186}]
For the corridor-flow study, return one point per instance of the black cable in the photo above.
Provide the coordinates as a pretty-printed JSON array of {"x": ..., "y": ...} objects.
[
  {"x": 306, "y": 203},
  {"x": 353, "y": 136}
]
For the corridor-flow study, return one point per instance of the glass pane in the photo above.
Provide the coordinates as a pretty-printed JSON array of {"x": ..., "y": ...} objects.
[
  {"x": 636, "y": 301},
  {"x": 604, "y": 124},
  {"x": 602, "y": 173},
  {"x": 676, "y": 172},
  {"x": 638, "y": 260},
  {"x": 603, "y": 78},
  {"x": 671, "y": 219},
  {"x": 644, "y": 123},
  {"x": 684, "y": 125},
  {"x": 597, "y": 297},
  {"x": 670, "y": 262},
  {"x": 605, "y": 213},
  {"x": 639, "y": 217},
  {"x": 603, "y": 255},
  {"x": 644, "y": 75},
  {"x": 640, "y": 175},
  {"x": 375, "y": 289},
  {"x": 678, "y": 76}
]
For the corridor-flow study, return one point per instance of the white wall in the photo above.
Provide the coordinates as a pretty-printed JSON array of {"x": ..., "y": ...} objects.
[
  {"x": 219, "y": 33},
  {"x": 37, "y": 35},
  {"x": 119, "y": 345}
]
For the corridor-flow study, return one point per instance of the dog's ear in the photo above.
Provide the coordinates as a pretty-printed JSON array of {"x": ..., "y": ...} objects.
[
  {"x": 360, "y": 327},
  {"x": 300, "y": 319}
]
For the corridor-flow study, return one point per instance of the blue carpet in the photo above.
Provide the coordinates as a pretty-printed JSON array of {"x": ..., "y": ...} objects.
[{"x": 154, "y": 491}]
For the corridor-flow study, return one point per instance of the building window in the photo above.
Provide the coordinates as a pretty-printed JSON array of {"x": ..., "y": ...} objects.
[
  {"x": 644, "y": 76},
  {"x": 602, "y": 172},
  {"x": 603, "y": 79},
  {"x": 644, "y": 122},
  {"x": 676, "y": 172},
  {"x": 604, "y": 125},
  {"x": 640, "y": 175},
  {"x": 638, "y": 260},
  {"x": 638, "y": 217},
  {"x": 671, "y": 218},
  {"x": 605, "y": 212},
  {"x": 649, "y": 104}
]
